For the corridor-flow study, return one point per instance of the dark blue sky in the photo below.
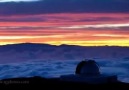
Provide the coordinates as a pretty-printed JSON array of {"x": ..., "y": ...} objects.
[{"x": 64, "y": 6}]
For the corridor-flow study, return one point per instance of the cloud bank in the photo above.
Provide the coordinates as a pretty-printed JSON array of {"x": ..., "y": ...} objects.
[{"x": 59, "y": 67}]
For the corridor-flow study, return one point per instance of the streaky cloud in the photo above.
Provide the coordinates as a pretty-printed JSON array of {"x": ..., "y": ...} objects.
[
  {"x": 17, "y": 0},
  {"x": 70, "y": 27},
  {"x": 98, "y": 26}
]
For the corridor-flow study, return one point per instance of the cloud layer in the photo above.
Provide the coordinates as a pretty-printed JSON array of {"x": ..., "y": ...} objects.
[
  {"x": 89, "y": 29},
  {"x": 55, "y": 68},
  {"x": 57, "y": 22}
]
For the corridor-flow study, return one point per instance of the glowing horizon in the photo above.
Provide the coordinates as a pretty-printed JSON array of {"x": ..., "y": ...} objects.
[{"x": 85, "y": 29}]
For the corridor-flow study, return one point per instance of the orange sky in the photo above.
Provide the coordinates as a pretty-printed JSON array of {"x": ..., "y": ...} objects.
[{"x": 92, "y": 29}]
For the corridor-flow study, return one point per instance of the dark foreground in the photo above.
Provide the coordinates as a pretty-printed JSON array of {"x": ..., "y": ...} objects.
[{"x": 55, "y": 83}]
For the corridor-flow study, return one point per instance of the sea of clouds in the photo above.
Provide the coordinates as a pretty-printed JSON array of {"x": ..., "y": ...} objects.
[{"x": 55, "y": 68}]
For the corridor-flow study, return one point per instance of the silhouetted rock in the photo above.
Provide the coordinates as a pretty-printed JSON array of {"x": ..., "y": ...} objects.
[{"x": 56, "y": 83}]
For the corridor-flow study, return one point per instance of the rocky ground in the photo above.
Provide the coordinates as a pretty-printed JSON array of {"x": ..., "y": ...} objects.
[{"x": 56, "y": 83}]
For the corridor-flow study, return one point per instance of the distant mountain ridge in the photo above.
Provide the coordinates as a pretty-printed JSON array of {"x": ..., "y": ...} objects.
[{"x": 34, "y": 51}]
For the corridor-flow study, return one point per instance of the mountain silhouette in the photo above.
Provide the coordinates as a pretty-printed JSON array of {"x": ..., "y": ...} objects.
[{"x": 34, "y": 51}]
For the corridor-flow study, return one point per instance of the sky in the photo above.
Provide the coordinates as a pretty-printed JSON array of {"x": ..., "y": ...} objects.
[{"x": 72, "y": 22}]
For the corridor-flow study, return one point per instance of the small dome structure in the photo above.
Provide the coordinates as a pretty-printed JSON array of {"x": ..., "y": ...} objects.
[
  {"x": 89, "y": 67},
  {"x": 88, "y": 71}
]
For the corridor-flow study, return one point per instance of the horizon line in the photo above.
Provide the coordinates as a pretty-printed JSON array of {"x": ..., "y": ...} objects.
[{"x": 64, "y": 44}]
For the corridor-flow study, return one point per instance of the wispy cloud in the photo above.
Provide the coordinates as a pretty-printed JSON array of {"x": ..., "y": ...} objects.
[
  {"x": 17, "y": 0},
  {"x": 98, "y": 26}
]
